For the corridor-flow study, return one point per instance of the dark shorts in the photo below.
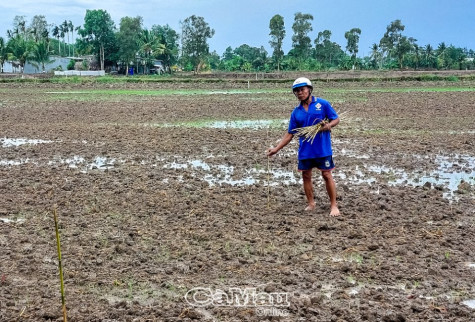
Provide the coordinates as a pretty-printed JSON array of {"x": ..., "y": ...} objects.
[{"x": 323, "y": 164}]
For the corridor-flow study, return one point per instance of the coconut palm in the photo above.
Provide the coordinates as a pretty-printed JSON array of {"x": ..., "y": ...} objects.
[
  {"x": 150, "y": 46},
  {"x": 66, "y": 31},
  {"x": 56, "y": 34},
  {"x": 3, "y": 52},
  {"x": 19, "y": 49},
  {"x": 377, "y": 55},
  {"x": 71, "y": 28},
  {"x": 74, "y": 43},
  {"x": 41, "y": 55}
]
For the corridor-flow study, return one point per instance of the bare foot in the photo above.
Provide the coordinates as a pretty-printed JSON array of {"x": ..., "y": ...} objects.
[
  {"x": 310, "y": 207},
  {"x": 334, "y": 212}
]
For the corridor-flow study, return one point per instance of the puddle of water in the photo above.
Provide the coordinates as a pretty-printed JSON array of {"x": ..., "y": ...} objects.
[
  {"x": 224, "y": 174},
  {"x": 79, "y": 162},
  {"x": 448, "y": 174},
  {"x": 195, "y": 164},
  {"x": 353, "y": 291},
  {"x": 469, "y": 303},
  {"x": 238, "y": 124},
  {"x": 13, "y": 162},
  {"x": 353, "y": 154},
  {"x": 12, "y": 220},
  {"x": 200, "y": 164},
  {"x": 8, "y": 142},
  {"x": 102, "y": 163},
  {"x": 254, "y": 124}
]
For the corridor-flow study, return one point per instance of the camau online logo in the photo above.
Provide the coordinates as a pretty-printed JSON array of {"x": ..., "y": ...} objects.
[{"x": 247, "y": 297}]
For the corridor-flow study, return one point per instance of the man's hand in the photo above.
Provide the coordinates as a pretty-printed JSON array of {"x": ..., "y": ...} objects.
[
  {"x": 326, "y": 127},
  {"x": 272, "y": 151}
]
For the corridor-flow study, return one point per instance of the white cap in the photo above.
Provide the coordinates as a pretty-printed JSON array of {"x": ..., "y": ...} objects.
[{"x": 302, "y": 81}]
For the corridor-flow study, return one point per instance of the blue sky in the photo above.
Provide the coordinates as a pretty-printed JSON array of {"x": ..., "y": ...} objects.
[{"x": 247, "y": 22}]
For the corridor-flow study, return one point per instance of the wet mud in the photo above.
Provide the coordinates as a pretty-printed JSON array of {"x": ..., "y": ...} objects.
[{"x": 159, "y": 193}]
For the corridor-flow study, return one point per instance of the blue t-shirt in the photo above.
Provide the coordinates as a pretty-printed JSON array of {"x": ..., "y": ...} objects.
[{"x": 318, "y": 110}]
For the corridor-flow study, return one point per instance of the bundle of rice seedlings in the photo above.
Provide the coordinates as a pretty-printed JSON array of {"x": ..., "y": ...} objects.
[{"x": 310, "y": 132}]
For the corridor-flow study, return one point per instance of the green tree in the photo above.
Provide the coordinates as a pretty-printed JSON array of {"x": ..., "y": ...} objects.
[
  {"x": 403, "y": 47},
  {"x": 214, "y": 60},
  {"x": 56, "y": 34},
  {"x": 256, "y": 57},
  {"x": 71, "y": 29},
  {"x": 39, "y": 28},
  {"x": 20, "y": 50},
  {"x": 66, "y": 30},
  {"x": 19, "y": 27},
  {"x": 40, "y": 55},
  {"x": 327, "y": 53},
  {"x": 391, "y": 38},
  {"x": 150, "y": 46},
  {"x": 128, "y": 39},
  {"x": 230, "y": 61},
  {"x": 376, "y": 57},
  {"x": 63, "y": 29},
  {"x": 169, "y": 40},
  {"x": 353, "y": 38},
  {"x": 455, "y": 57},
  {"x": 441, "y": 53},
  {"x": 98, "y": 30},
  {"x": 277, "y": 34},
  {"x": 429, "y": 56},
  {"x": 195, "y": 34},
  {"x": 3, "y": 52},
  {"x": 301, "y": 42}
]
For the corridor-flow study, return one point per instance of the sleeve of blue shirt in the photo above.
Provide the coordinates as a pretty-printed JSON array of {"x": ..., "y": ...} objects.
[
  {"x": 328, "y": 111},
  {"x": 292, "y": 123}
]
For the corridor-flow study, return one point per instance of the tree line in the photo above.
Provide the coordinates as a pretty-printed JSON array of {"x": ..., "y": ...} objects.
[{"x": 130, "y": 44}]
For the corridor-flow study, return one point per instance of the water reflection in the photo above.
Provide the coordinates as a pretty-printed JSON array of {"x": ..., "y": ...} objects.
[{"x": 9, "y": 142}]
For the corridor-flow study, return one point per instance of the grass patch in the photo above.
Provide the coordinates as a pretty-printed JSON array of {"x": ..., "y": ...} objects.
[{"x": 404, "y": 90}]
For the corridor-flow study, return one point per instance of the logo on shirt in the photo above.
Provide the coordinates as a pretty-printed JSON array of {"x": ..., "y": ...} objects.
[{"x": 318, "y": 106}]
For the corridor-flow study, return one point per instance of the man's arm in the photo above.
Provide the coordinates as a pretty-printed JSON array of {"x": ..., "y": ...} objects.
[
  {"x": 283, "y": 142},
  {"x": 329, "y": 125}
]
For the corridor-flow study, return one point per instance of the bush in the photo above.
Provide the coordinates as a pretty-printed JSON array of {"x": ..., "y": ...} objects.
[{"x": 71, "y": 65}]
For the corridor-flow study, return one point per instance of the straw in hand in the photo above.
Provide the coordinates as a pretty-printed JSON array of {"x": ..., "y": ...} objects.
[{"x": 310, "y": 132}]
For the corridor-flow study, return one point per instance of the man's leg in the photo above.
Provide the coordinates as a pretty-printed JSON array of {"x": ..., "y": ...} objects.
[
  {"x": 331, "y": 190},
  {"x": 308, "y": 188}
]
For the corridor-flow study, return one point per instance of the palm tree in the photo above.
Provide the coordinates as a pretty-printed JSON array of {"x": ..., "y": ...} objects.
[
  {"x": 19, "y": 50},
  {"x": 150, "y": 45},
  {"x": 442, "y": 54},
  {"x": 377, "y": 56},
  {"x": 429, "y": 53},
  {"x": 3, "y": 52},
  {"x": 66, "y": 30},
  {"x": 41, "y": 55},
  {"x": 22, "y": 28},
  {"x": 77, "y": 30},
  {"x": 71, "y": 28},
  {"x": 62, "y": 34},
  {"x": 56, "y": 34}
]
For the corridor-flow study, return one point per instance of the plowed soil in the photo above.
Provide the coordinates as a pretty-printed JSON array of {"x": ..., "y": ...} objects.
[{"x": 157, "y": 195}]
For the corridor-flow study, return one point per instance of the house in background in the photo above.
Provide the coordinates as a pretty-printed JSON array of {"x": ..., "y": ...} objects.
[{"x": 58, "y": 63}]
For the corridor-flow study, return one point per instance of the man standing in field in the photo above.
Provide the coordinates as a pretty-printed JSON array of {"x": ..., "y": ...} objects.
[{"x": 316, "y": 153}]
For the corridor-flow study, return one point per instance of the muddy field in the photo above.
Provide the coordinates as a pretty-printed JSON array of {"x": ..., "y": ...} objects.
[{"x": 164, "y": 189}]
